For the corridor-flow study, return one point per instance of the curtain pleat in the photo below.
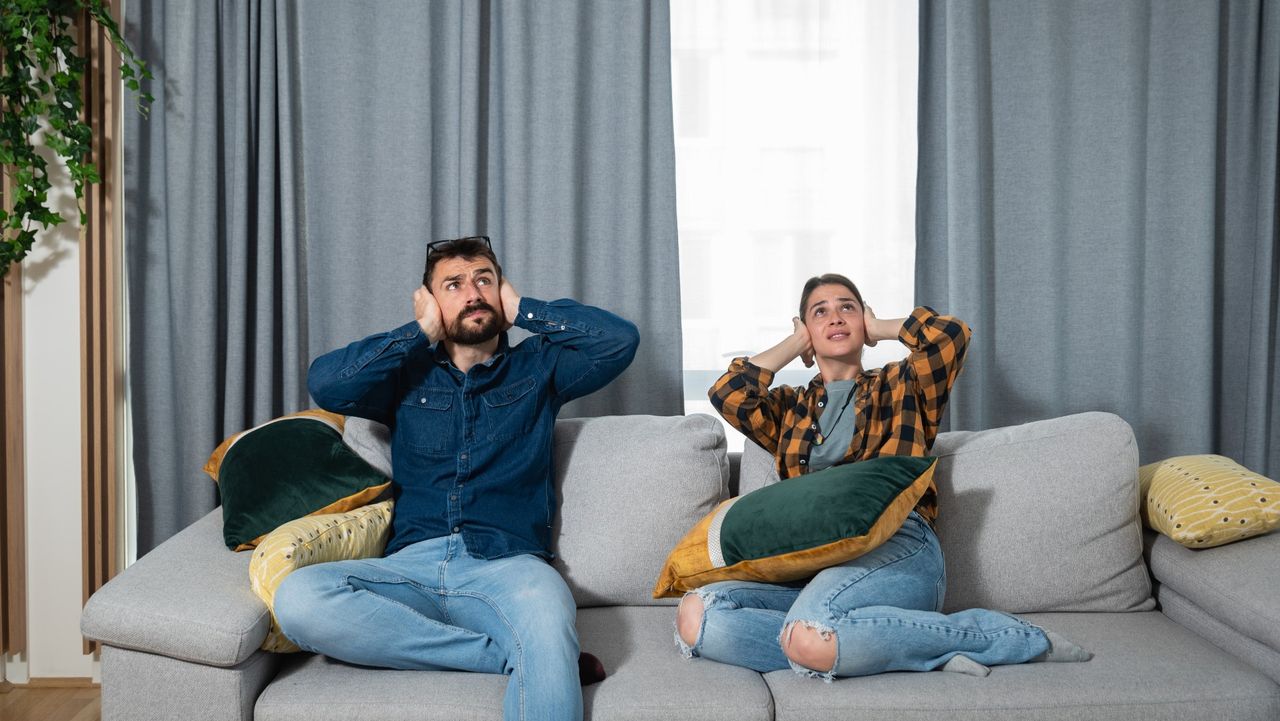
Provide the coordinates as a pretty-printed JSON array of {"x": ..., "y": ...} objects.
[
  {"x": 1096, "y": 196},
  {"x": 300, "y": 156}
]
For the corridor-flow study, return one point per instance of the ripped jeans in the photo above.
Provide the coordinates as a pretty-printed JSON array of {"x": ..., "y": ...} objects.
[{"x": 882, "y": 609}]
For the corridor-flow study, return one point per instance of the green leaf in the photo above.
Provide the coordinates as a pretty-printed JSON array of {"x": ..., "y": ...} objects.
[{"x": 41, "y": 77}]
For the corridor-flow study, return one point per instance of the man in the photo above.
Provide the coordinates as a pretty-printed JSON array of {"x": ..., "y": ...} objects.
[{"x": 464, "y": 582}]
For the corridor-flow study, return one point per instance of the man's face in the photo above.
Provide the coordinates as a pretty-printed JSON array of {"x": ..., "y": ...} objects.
[
  {"x": 466, "y": 289},
  {"x": 834, "y": 320}
]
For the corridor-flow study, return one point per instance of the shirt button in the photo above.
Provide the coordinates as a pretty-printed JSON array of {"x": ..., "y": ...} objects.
[
  {"x": 821, "y": 404},
  {"x": 802, "y": 461},
  {"x": 453, "y": 496},
  {"x": 455, "y": 529},
  {"x": 813, "y": 426},
  {"x": 561, "y": 327},
  {"x": 422, "y": 400},
  {"x": 529, "y": 315},
  {"x": 464, "y": 456}
]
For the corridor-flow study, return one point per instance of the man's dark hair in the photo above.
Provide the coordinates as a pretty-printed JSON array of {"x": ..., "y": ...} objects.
[
  {"x": 475, "y": 246},
  {"x": 826, "y": 279}
]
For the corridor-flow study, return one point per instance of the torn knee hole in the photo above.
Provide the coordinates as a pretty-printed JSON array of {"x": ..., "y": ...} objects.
[
  {"x": 689, "y": 618},
  {"x": 810, "y": 645}
]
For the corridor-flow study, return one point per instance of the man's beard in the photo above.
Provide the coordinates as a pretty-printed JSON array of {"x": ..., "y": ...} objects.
[{"x": 468, "y": 334}]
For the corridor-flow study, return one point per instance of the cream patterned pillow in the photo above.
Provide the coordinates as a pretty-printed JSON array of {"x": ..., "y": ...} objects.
[
  {"x": 1205, "y": 501},
  {"x": 360, "y": 533}
]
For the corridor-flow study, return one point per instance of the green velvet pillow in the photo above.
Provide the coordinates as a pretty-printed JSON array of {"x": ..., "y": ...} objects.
[
  {"x": 285, "y": 469},
  {"x": 797, "y": 527}
]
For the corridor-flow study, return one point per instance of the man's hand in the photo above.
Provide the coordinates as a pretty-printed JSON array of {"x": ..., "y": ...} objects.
[
  {"x": 427, "y": 311},
  {"x": 801, "y": 335},
  {"x": 510, "y": 302}
]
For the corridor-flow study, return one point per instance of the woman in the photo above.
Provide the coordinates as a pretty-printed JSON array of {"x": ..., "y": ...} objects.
[{"x": 881, "y": 611}]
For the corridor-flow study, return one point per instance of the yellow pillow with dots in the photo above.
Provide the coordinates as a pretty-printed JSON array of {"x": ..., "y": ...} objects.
[
  {"x": 360, "y": 533},
  {"x": 1204, "y": 501}
]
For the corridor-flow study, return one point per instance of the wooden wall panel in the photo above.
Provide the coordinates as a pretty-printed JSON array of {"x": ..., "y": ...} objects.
[
  {"x": 13, "y": 531},
  {"x": 99, "y": 310}
]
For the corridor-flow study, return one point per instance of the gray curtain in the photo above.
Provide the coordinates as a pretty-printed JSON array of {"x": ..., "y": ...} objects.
[
  {"x": 299, "y": 157},
  {"x": 1097, "y": 197}
]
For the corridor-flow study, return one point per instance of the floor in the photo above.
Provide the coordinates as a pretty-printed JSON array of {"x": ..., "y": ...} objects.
[{"x": 51, "y": 704}]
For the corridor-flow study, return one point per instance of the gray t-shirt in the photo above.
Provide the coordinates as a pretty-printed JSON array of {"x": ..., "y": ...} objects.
[{"x": 835, "y": 443}]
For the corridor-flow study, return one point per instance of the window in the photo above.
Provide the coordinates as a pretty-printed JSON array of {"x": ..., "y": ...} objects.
[{"x": 795, "y": 130}]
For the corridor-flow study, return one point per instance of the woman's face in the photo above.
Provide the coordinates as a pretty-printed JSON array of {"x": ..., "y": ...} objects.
[{"x": 834, "y": 320}]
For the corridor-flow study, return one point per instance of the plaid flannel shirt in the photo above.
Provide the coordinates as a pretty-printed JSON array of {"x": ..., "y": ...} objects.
[{"x": 897, "y": 407}]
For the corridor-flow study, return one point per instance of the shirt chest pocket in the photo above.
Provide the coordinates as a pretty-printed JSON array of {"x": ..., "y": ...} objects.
[
  {"x": 511, "y": 410},
  {"x": 426, "y": 420}
]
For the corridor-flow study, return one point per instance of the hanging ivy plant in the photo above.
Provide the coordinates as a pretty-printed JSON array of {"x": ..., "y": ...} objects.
[{"x": 42, "y": 80}]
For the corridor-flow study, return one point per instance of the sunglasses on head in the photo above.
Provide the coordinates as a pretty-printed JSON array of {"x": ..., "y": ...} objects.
[{"x": 443, "y": 245}]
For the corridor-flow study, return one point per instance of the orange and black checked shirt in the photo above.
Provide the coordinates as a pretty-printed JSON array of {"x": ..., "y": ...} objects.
[{"x": 898, "y": 407}]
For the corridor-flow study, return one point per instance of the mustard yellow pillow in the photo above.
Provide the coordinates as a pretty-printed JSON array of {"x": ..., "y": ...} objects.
[
  {"x": 793, "y": 529},
  {"x": 361, "y": 533},
  {"x": 1204, "y": 501}
]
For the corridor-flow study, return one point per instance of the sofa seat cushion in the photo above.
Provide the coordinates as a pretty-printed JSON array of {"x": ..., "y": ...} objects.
[
  {"x": 1235, "y": 583},
  {"x": 189, "y": 598},
  {"x": 1042, "y": 517},
  {"x": 1145, "y": 666},
  {"x": 648, "y": 679}
]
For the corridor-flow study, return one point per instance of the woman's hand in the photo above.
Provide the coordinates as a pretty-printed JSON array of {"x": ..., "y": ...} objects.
[
  {"x": 796, "y": 345},
  {"x": 869, "y": 325},
  {"x": 801, "y": 336}
]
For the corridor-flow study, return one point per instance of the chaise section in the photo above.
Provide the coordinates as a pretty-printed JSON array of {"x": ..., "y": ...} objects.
[
  {"x": 1226, "y": 594},
  {"x": 180, "y": 631},
  {"x": 648, "y": 679},
  {"x": 141, "y": 686},
  {"x": 1145, "y": 667},
  {"x": 189, "y": 599}
]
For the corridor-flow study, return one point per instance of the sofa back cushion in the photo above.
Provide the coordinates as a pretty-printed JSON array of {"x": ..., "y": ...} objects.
[
  {"x": 629, "y": 488},
  {"x": 756, "y": 470},
  {"x": 1042, "y": 517}
]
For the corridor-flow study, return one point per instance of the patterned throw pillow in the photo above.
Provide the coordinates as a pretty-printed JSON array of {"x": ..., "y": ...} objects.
[
  {"x": 1204, "y": 501},
  {"x": 361, "y": 533},
  {"x": 287, "y": 468},
  {"x": 793, "y": 529}
]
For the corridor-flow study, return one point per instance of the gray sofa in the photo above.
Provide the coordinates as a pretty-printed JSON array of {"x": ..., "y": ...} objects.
[{"x": 1039, "y": 519}]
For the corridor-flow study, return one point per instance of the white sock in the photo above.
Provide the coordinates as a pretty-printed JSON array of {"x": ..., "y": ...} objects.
[
  {"x": 1061, "y": 650},
  {"x": 960, "y": 663}
]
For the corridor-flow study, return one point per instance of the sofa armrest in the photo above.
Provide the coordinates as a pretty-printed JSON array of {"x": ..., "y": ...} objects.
[
  {"x": 1235, "y": 583},
  {"x": 188, "y": 599}
]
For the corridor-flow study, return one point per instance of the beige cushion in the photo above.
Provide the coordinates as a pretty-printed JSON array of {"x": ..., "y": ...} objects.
[
  {"x": 361, "y": 533},
  {"x": 1205, "y": 500}
]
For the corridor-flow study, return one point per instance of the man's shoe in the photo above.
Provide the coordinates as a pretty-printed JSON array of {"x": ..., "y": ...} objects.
[{"x": 590, "y": 670}]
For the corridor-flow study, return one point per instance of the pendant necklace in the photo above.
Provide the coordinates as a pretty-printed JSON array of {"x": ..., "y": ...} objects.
[{"x": 821, "y": 437}]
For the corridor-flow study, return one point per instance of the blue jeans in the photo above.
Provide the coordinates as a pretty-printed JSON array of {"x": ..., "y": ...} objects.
[
  {"x": 432, "y": 606},
  {"x": 882, "y": 609}
]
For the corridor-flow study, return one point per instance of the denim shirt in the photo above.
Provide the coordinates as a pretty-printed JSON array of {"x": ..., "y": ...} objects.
[{"x": 472, "y": 453}]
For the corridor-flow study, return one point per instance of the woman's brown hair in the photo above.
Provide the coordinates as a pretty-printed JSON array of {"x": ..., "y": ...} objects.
[{"x": 826, "y": 279}]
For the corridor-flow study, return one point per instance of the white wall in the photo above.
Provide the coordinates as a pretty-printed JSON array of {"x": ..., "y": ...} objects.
[{"x": 51, "y": 368}]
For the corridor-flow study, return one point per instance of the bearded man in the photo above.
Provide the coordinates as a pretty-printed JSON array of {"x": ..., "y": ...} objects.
[{"x": 465, "y": 582}]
